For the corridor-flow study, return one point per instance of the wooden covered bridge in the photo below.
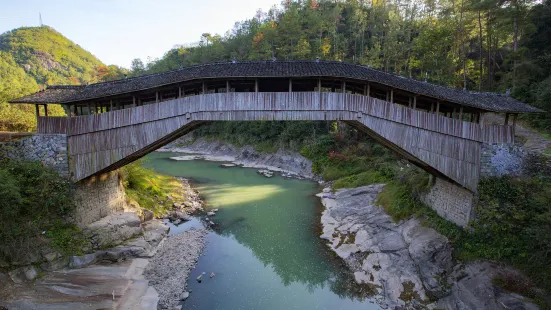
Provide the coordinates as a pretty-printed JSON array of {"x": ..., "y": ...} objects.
[{"x": 438, "y": 128}]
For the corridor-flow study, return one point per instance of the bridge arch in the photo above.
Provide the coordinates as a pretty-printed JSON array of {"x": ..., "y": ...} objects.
[{"x": 446, "y": 147}]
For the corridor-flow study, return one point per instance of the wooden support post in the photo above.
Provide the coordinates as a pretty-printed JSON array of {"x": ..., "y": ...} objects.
[
  {"x": 156, "y": 97},
  {"x": 514, "y": 120},
  {"x": 80, "y": 108},
  {"x": 432, "y": 107},
  {"x": 89, "y": 112},
  {"x": 460, "y": 113},
  {"x": 454, "y": 112},
  {"x": 45, "y": 110},
  {"x": 256, "y": 85},
  {"x": 319, "y": 85},
  {"x": 179, "y": 91},
  {"x": 290, "y": 85},
  {"x": 111, "y": 105},
  {"x": 344, "y": 87},
  {"x": 392, "y": 95},
  {"x": 437, "y": 107},
  {"x": 204, "y": 87},
  {"x": 414, "y": 102},
  {"x": 481, "y": 119},
  {"x": 409, "y": 102},
  {"x": 227, "y": 86},
  {"x": 368, "y": 90},
  {"x": 386, "y": 99},
  {"x": 37, "y": 109},
  {"x": 133, "y": 101},
  {"x": 506, "y": 119}
]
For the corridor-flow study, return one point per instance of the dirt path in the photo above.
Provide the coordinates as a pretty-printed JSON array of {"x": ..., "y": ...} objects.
[{"x": 529, "y": 139}]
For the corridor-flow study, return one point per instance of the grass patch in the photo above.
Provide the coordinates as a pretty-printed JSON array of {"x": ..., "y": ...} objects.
[{"x": 150, "y": 190}]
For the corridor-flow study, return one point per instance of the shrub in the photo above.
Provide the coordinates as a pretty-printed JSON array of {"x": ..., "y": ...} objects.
[{"x": 33, "y": 199}]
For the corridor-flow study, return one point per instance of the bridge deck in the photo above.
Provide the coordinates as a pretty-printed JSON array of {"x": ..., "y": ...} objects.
[{"x": 445, "y": 146}]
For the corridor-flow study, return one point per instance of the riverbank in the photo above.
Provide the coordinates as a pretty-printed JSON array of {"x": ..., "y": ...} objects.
[
  {"x": 290, "y": 163},
  {"x": 406, "y": 263},
  {"x": 132, "y": 248}
]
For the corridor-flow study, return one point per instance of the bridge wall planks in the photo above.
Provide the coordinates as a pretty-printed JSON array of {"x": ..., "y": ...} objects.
[{"x": 451, "y": 147}]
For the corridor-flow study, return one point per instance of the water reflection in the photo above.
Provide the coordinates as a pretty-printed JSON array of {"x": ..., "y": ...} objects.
[{"x": 265, "y": 253}]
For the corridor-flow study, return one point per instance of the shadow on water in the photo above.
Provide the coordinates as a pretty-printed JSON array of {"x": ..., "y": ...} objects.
[{"x": 266, "y": 251}]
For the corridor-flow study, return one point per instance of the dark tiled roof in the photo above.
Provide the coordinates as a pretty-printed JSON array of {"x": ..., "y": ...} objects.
[{"x": 487, "y": 101}]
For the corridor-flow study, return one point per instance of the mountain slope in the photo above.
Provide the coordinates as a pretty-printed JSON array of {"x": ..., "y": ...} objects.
[
  {"x": 33, "y": 57},
  {"x": 49, "y": 57}
]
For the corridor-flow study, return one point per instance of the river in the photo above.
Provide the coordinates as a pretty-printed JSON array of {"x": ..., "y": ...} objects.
[{"x": 265, "y": 251}]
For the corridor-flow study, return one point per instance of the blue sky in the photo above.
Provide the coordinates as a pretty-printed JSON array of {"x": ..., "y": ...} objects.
[{"x": 117, "y": 31}]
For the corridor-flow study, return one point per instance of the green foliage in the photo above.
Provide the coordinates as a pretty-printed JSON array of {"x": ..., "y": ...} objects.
[
  {"x": 66, "y": 238},
  {"x": 514, "y": 225},
  {"x": 49, "y": 57},
  {"x": 30, "y": 58},
  {"x": 149, "y": 189},
  {"x": 34, "y": 199},
  {"x": 360, "y": 179}
]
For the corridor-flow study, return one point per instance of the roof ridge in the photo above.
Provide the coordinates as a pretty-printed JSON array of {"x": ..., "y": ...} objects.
[{"x": 271, "y": 61}]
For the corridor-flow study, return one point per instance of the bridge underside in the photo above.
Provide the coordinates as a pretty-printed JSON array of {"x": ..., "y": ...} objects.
[{"x": 448, "y": 148}]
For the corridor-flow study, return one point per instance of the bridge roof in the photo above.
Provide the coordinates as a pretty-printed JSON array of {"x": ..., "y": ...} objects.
[{"x": 497, "y": 102}]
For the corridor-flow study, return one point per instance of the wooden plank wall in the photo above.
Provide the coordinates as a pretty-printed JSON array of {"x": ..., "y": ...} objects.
[
  {"x": 451, "y": 146},
  {"x": 52, "y": 124}
]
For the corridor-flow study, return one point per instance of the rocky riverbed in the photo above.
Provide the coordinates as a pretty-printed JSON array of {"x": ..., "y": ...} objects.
[
  {"x": 290, "y": 163},
  {"x": 407, "y": 264},
  {"x": 169, "y": 270}
]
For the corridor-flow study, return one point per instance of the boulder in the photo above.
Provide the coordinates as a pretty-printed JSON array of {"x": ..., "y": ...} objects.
[
  {"x": 178, "y": 215},
  {"x": 397, "y": 259},
  {"x": 76, "y": 262},
  {"x": 56, "y": 264},
  {"x": 184, "y": 296},
  {"x": 147, "y": 215},
  {"x": 473, "y": 289},
  {"x": 112, "y": 230},
  {"x": 23, "y": 274}
]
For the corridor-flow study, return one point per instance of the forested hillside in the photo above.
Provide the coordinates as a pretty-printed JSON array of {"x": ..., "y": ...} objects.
[
  {"x": 480, "y": 45},
  {"x": 32, "y": 57}
]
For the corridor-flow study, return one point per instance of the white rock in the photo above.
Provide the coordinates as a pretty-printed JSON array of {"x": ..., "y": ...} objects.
[{"x": 184, "y": 296}]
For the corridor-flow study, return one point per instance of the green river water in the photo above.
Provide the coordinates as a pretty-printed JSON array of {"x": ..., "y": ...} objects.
[{"x": 266, "y": 252}]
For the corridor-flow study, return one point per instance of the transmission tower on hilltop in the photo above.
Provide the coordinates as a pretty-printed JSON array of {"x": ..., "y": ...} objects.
[{"x": 40, "y": 19}]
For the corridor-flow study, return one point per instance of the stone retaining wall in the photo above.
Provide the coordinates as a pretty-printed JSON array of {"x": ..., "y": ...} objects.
[
  {"x": 501, "y": 159},
  {"x": 451, "y": 202},
  {"x": 98, "y": 197},
  {"x": 50, "y": 149}
]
